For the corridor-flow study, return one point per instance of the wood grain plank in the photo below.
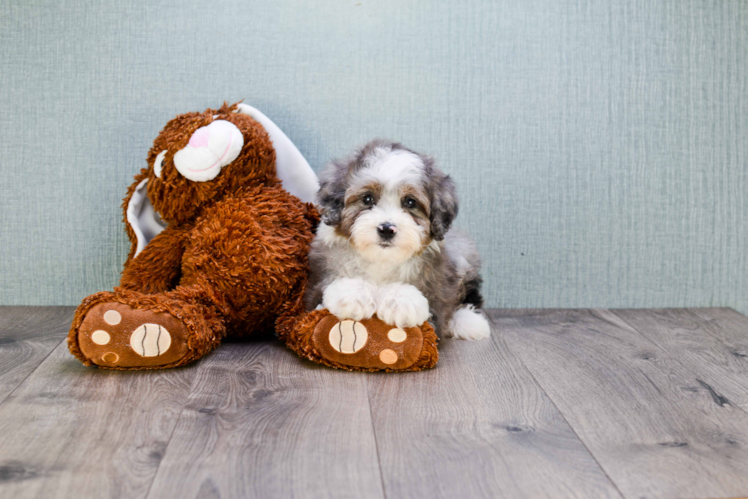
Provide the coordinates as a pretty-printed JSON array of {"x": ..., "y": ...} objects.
[
  {"x": 261, "y": 422},
  {"x": 477, "y": 425},
  {"x": 655, "y": 429},
  {"x": 711, "y": 343},
  {"x": 72, "y": 431},
  {"x": 27, "y": 336},
  {"x": 729, "y": 326}
]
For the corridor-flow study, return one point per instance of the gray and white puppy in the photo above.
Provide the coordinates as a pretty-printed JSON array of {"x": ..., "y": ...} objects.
[{"x": 384, "y": 244}]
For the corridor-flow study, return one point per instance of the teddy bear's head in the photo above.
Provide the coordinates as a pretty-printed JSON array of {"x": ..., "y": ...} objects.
[{"x": 199, "y": 157}]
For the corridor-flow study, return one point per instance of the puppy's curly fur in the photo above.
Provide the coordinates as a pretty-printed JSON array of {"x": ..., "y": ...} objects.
[{"x": 385, "y": 247}]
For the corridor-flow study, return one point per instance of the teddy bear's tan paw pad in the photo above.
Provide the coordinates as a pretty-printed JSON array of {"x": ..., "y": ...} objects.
[
  {"x": 368, "y": 344},
  {"x": 117, "y": 335}
]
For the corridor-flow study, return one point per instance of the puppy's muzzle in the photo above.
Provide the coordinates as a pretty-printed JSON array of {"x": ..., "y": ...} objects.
[{"x": 386, "y": 231}]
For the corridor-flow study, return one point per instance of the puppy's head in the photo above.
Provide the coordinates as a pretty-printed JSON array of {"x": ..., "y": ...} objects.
[{"x": 388, "y": 201}]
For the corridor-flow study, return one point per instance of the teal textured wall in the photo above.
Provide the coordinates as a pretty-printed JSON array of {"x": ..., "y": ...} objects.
[{"x": 600, "y": 147}]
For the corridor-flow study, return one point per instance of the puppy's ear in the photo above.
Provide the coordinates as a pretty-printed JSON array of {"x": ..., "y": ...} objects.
[
  {"x": 444, "y": 205},
  {"x": 331, "y": 195}
]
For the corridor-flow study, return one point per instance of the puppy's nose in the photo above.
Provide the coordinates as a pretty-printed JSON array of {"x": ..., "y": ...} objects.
[{"x": 386, "y": 231}]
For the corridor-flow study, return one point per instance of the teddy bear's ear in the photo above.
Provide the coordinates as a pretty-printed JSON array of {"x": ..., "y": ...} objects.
[
  {"x": 143, "y": 220},
  {"x": 290, "y": 166}
]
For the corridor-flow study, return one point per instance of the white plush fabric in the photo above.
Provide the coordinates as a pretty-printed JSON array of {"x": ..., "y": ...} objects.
[
  {"x": 159, "y": 163},
  {"x": 142, "y": 217},
  {"x": 210, "y": 149},
  {"x": 291, "y": 167}
]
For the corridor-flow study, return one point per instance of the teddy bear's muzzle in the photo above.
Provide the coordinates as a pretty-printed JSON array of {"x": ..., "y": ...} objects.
[{"x": 210, "y": 149}]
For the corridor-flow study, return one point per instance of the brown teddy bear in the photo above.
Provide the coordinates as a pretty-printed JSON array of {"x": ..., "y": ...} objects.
[{"x": 220, "y": 224}]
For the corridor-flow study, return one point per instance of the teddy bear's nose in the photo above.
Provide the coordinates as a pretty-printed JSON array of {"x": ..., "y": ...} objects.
[
  {"x": 209, "y": 149},
  {"x": 200, "y": 138}
]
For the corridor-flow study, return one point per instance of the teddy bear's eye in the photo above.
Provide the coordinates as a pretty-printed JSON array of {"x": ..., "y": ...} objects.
[{"x": 159, "y": 163}]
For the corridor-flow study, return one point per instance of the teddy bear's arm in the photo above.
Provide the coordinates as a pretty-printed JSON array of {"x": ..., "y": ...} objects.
[{"x": 158, "y": 267}]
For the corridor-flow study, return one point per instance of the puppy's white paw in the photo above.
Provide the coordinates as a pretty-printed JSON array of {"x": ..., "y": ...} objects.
[
  {"x": 468, "y": 324},
  {"x": 349, "y": 298},
  {"x": 402, "y": 305}
]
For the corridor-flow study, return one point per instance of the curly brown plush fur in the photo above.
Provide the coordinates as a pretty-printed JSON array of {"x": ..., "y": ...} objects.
[{"x": 232, "y": 259}]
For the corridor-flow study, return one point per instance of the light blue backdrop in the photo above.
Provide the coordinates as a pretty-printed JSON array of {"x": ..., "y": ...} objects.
[{"x": 600, "y": 147}]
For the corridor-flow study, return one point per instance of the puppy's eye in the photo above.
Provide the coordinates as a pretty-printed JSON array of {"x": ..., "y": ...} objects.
[
  {"x": 409, "y": 202},
  {"x": 368, "y": 200}
]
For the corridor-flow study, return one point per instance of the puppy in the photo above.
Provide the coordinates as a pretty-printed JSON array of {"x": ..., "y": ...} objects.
[{"x": 384, "y": 247}]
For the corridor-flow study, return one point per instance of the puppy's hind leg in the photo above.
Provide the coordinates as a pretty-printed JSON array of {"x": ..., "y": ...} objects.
[{"x": 468, "y": 323}]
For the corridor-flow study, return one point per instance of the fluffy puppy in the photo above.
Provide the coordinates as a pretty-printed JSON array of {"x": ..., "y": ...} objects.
[{"x": 384, "y": 245}]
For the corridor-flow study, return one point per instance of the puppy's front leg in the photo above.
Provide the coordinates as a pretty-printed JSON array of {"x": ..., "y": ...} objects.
[
  {"x": 402, "y": 305},
  {"x": 349, "y": 298}
]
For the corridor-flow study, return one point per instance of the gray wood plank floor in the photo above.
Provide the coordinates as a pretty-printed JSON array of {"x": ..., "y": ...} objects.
[{"x": 558, "y": 403}]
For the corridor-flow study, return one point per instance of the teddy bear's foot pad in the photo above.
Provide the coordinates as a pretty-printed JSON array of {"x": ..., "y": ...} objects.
[
  {"x": 117, "y": 335},
  {"x": 368, "y": 344}
]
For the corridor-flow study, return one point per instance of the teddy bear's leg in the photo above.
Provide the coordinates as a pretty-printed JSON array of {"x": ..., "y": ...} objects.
[
  {"x": 125, "y": 329},
  {"x": 368, "y": 345},
  {"x": 158, "y": 267}
]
